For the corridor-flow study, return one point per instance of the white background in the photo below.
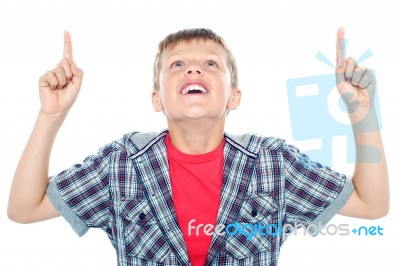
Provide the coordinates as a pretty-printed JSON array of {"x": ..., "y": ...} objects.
[{"x": 115, "y": 43}]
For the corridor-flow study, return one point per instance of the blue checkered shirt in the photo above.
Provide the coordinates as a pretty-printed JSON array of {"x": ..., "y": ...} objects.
[{"x": 125, "y": 190}]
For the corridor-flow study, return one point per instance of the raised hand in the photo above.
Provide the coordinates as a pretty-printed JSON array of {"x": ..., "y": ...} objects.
[
  {"x": 355, "y": 83},
  {"x": 59, "y": 87}
]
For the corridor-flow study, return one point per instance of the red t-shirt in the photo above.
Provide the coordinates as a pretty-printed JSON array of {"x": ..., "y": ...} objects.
[{"x": 196, "y": 182}]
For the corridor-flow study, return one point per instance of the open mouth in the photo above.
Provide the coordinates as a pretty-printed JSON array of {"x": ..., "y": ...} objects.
[{"x": 194, "y": 89}]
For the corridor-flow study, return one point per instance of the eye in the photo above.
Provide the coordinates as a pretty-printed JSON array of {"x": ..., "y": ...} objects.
[
  {"x": 177, "y": 64},
  {"x": 211, "y": 63}
]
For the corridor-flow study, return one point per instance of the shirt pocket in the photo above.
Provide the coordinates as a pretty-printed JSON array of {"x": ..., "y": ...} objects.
[
  {"x": 254, "y": 229},
  {"x": 142, "y": 236}
]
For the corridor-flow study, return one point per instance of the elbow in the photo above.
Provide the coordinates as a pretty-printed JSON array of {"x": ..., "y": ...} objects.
[
  {"x": 378, "y": 212},
  {"x": 376, "y": 216},
  {"x": 12, "y": 217},
  {"x": 18, "y": 216},
  {"x": 15, "y": 218},
  {"x": 19, "y": 219},
  {"x": 376, "y": 207},
  {"x": 382, "y": 213}
]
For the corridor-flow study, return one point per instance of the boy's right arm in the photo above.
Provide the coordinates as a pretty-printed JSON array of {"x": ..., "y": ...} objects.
[{"x": 58, "y": 90}]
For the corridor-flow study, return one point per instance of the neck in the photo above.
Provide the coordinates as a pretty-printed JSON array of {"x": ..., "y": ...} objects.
[{"x": 196, "y": 137}]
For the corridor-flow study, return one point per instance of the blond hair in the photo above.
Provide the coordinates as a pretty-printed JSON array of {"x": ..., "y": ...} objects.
[{"x": 188, "y": 35}]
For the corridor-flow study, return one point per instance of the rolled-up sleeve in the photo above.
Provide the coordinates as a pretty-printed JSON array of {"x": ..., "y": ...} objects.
[
  {"x": 313, "y": 193},
  {"x": 81, "y": 193}
]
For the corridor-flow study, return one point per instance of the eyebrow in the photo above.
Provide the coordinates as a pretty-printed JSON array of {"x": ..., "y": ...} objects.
[
  {"x": 177, "y": 54},
  {"x": 172, "y": 55}
]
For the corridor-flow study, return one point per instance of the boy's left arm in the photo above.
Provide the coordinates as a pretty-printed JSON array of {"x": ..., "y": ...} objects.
[{"x": 356, "y": 85}]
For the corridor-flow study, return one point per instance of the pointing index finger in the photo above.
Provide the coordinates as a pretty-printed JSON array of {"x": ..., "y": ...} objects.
[
  {"x": 68, "y": 46},
  {"x": 340, "y": 47}
]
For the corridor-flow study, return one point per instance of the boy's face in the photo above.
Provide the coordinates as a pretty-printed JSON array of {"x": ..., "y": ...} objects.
[{"x": 195, "y": 82}]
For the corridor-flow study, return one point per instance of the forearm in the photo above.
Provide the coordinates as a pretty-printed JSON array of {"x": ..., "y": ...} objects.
[
  {"x": 31, "y": 176},
  {"x": 371, "y": 174}
]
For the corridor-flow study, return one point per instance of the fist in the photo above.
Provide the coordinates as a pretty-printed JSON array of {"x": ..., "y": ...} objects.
[{"x": 59, "y": 87}]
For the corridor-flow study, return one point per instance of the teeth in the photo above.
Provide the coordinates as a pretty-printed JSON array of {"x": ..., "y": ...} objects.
[{"x": 193, "y": 87}]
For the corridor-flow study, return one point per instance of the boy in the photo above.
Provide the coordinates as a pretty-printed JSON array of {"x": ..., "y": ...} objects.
[{"x": 180, "y": 197}]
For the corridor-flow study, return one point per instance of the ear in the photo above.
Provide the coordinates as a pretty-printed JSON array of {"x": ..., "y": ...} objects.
[
  {"x": 157, "y": 105},
  {"x": 234, "y": 100}
]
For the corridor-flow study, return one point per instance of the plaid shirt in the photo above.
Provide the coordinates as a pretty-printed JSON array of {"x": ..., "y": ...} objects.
[{"x": 125, "y": 190}]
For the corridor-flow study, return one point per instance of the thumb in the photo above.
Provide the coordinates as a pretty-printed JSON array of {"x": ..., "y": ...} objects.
[{"x": 77, "y": 75}]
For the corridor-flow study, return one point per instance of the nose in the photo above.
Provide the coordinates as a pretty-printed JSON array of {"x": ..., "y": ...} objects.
[{"x": 193, "y": 69}]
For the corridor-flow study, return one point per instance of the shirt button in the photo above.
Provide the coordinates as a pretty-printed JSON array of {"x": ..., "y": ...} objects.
[
  {"x": 272, "y": 229},
  {"x": 254, "y": 213},
  {"x": 141, "y": 216}
]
